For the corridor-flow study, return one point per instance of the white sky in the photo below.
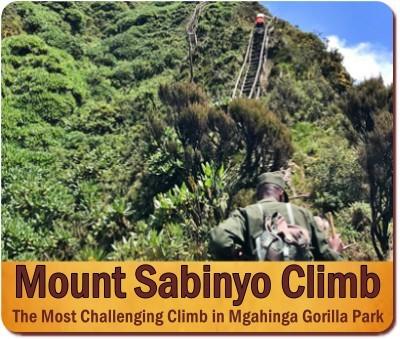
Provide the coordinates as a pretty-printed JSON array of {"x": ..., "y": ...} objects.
[{"x": 363, "y": 60}]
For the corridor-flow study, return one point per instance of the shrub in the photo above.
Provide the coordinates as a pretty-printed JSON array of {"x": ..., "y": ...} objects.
[
  {"x": 371, "y": 116},
  {"x": 354, "y": 225},
  {"x": 145, "y": 244},
  {"x": 178, "y": 228},
  {"x": 337, "y": 178},
  {"x": 264, "y": 139},
  {"x": 41, "y": 79},
  {"x": 333, "y": 174}
]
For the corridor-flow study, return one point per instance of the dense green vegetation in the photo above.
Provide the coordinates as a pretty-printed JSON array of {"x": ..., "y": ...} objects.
[{"x": 108, "y": 152}]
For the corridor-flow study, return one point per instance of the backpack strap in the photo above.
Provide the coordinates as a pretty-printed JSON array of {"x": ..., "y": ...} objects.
[
  {"x": 255, "y": 222},
  {"x": 260, "y": 210},
  {"x": 289, "y": 210}
]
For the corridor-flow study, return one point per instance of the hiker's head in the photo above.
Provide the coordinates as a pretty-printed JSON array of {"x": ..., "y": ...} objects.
[{"x": 271, "y": 185}]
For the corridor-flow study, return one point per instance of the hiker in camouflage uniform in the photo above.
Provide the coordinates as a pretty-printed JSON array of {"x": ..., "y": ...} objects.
[{"x": 243, "y": 235}]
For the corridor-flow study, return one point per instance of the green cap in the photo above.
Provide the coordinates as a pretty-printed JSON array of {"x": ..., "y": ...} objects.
[{"x": 275, "y": 178}]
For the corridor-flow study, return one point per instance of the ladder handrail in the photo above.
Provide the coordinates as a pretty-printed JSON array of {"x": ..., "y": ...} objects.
[
  {"x": 248, "y": 67},
  {"x": 265, "y": 59},
  {"x": 194, "y": 19},
  {"x": 260, "y": 61},
  {"x": 262, "y": 57},
  {"x": 191, "y": 28},
  {"x": 244, "y": 63}
]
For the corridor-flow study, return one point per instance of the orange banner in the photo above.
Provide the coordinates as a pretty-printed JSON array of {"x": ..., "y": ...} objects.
[{"x": 196, "y": 297}]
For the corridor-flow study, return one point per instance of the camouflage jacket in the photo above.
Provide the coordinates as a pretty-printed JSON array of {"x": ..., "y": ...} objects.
[{"x": 234, "y": 238}]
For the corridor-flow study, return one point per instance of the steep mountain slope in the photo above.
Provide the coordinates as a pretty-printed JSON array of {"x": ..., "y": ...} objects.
[{"x": 81, "y": 84}]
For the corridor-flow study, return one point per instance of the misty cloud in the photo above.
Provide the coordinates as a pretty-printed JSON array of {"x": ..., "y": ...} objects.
[{"x": 364, "y": 60}]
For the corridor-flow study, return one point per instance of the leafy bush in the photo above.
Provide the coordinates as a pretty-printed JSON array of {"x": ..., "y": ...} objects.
[
  {"x": 369, "y": 109},
  {"x": 145, "y": 244},
  {"x": 356, "y": 216},
  {"x": 43, "y": 80},
  {"x": 265, "y": 140},
  {"x": 354, "y": 225},
  {"x": 337, "y": 178},
  {"x": 178, "y": 228},
  {"x": 334, "y": 174}
]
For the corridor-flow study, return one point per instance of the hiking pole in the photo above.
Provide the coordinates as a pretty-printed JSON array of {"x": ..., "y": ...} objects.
[
  {"x": 349, "y": 245},
  {"x": 331, "y": 224},
  {"x": 333, "y": 231},
  {"x": 300, "y": 196}
]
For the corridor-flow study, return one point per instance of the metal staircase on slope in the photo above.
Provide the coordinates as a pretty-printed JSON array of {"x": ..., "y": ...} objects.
[{"x": 248, "y": 81}]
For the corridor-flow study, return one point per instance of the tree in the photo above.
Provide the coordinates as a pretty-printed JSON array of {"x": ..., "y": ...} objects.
[
  {"x": 363, "y": 102},
  {"x": 264, "y": 140},
  {"x": 188, "y": 134},
  {"x": 207, "y": 134},
  {"x": 370, "y": 112},
  {"x": 378, "y": 162},
  {"x": 247, "y": 140}
]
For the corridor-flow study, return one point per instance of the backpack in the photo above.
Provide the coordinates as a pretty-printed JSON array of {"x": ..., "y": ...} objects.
[{"x": 282, "y": 241}]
